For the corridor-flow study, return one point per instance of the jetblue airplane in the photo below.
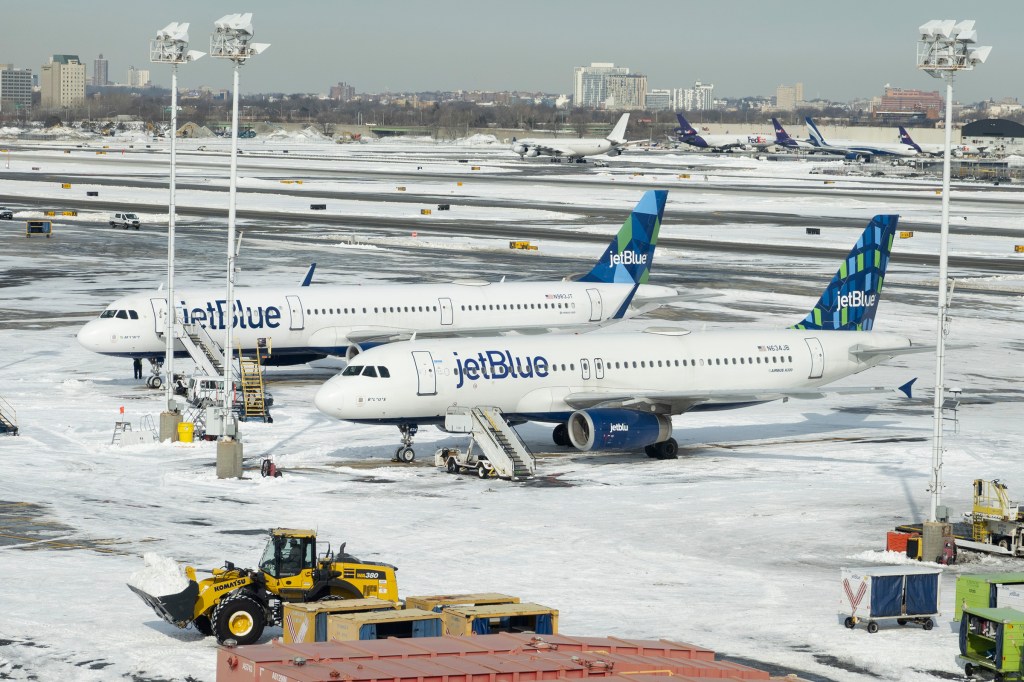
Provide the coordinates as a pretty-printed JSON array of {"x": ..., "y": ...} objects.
[
  {"x": 576, "y": 148},
  {"x": 620, "y": 390},
  {"x": 938, "y": 149},
  {"x": 853, "y": 149},
  {"x": 783, "y": 139},
  {"x": 687, "y": 134},
  {"x": 304, "y": 323}
]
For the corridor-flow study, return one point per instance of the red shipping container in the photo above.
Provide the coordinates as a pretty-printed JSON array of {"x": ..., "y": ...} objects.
[{"x": 896, "y": 541}]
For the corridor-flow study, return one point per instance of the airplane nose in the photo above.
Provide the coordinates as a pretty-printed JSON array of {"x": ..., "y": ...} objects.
[
  {"x": 328, "y": 399},
  {"x": 91, "y": 337}
]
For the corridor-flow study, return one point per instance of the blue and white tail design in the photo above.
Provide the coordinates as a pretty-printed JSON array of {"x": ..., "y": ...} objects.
[
  {"x": 685, "y": 129},
  {"x": 630, "y": 254},
  {"x": 782, "y": 138},
  {"x": 906, "y": 139},
  {"x": 816, "y": 138},
  {"x": 851, "y": 298}
]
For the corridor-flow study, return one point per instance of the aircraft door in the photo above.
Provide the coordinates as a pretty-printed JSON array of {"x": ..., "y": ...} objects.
[
  {"x": 159, "y": 315},
  {"x": 598, "y": 368},
  {"x": 585, "y": 368},
  {"x": 596, "y": 307},
  {"x": 425, "y": 372},
  {"x": 297, "y": 319},
  {"x": 447, "y": 316},
  {"x": 817, "y": 358}
]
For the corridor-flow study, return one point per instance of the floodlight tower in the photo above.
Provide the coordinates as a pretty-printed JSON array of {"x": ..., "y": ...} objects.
[
  {"x": 945, "y": 47},
  {"x": 232, "y": 39},
  {"x": 171, "y": 47}
]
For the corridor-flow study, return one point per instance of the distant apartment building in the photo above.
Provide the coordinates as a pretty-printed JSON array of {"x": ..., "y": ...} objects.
[
  {"x": 15, "y": 88},
  {"x": 100, "y": 72},
  {"x": 658, "y": 100},
  {"x": 903, "y": 101},
  {"x": 625, "y": 92},
  {"x": 343, "y": 92},
  {"x": 62, "y": 82},
  {"x": 590, "y": 83},
  {"x": 138, "y": 78},
  {"x": 698, "y": 98},
  {"x": 789, "y": 97}
]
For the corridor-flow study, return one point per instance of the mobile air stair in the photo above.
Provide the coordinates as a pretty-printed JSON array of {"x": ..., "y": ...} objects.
[
  {"x": 204, "y": 351},
  {"x": 502, "y": 453},
  {"x": 8, "y": 419}
]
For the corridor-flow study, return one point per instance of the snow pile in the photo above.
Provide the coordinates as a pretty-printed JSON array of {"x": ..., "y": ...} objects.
[
  {"x": 478, "y": 140},
  {"x": 66, "y": 133},
  {"x": 888, "y": 557},
  {"x": 10, "y": 131},
  {"x": 161, "y": 576}
]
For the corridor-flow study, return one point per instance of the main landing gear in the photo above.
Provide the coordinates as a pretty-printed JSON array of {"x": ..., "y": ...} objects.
[
  {"x": 666, "y": 449},
  {"x": 561, "y": 436},
  {"x": 405, "y": 453}
]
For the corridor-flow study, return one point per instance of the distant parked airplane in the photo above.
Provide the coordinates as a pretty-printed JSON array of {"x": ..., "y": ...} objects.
[
  {"x": 687, "y": 134},
  {"x": 938, "y": 149},
  {"x": 575, "y": 149},
  {"x": 783, "y": 139},
  {"x": 620, "y": 390},
  {"x": 854, "y": 149}
]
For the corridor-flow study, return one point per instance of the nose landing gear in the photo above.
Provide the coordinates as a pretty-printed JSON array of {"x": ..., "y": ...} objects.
[
  {"x": 155, "y": 380},
  {"x": 405, "y": 453}
]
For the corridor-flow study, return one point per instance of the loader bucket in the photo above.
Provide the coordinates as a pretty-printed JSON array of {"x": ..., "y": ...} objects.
[{"x": 176, "y": 609}]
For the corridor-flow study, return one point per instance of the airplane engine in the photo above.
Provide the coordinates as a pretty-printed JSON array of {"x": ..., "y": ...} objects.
[
  {"x": 532, "y": 152},
  {"x": 519, "y": 148},
  {"x": 614, "y": 152},
  {"x": 617, "y": 429}
]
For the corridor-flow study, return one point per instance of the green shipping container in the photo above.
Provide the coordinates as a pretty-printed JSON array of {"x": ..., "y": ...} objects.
[
  {"x": 979, "y": 590},
  {"x": 992, "y": 639}
]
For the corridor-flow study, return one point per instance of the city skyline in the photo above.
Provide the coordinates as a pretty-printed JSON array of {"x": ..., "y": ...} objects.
[{"x": 403, "y": 46}]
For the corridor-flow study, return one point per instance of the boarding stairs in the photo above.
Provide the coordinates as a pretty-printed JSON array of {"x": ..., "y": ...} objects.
[
  {"x": 497, "y": 441},
  {"x": 204, "y": 351},
  {"x": 8, "y": 419},
  {"x": 254, "y": 403}
]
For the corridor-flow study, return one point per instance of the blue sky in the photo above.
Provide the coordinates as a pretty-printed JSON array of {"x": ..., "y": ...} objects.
[{"x": 839, "y": 51}]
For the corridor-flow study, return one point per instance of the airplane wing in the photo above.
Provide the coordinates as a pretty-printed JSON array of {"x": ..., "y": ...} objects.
[{"x": 678, "y": 402}]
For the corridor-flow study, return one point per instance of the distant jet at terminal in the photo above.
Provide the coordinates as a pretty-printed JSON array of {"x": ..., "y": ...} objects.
[
  {"x": 687, "y": 134},
  {"x": 576, "y": 149},
  {"x": 854, "y": 149},
  {"x": 938, "y": 149},
  {"x": 620, "y": 390},
  {"x": 783, "y": 139},
  {"x": 303, "y": 323}
]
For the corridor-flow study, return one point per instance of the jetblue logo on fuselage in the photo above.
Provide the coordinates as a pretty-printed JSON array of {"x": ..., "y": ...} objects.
[
  {"x": 212, "y": 314},
  {"x": 857, "y": 299},
  {"x": 627, "y": 258},
  {"x": 498, "y": 364}
]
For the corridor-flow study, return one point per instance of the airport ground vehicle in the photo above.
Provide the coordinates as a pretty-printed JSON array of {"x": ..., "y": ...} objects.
[
  {"x": 237, "y": 603},
  {"x": 997, "y": 525},
  {"x": 43, "y": 227},
  {"x": 125, "y": 220},
  {"x": 6, "y": 213}
]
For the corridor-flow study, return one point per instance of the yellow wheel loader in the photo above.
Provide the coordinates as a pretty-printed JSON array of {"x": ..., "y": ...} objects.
[{"x": 237, "y": 603}]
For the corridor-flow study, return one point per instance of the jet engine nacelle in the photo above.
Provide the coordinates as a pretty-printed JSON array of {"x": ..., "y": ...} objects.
[
  {"x": 614, "y": 151},
  {"x": 532, "y": 152},
  {"x": 519, "y": 148},
  {"x": 617, "y": 429}
]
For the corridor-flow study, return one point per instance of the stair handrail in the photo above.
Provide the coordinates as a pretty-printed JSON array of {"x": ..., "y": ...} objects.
[{"x": 8, "y": 413}]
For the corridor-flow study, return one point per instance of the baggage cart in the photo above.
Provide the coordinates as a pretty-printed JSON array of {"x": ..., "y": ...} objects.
[{"x": 906, "y": 594}]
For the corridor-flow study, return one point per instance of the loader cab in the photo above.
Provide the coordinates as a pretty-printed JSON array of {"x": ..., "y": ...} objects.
[{"x": 288, "y": 553}]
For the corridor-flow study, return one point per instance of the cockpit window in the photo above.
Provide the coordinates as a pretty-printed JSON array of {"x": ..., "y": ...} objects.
[
  {"x": 122, "y": 314},
  {"x": 107, "y": 313},
  {"x": 132, "y": 314},
  {"x": 352, "y": 371},
  {"x": 384, "y": 373},
  {"x": 370, "y": 371}
]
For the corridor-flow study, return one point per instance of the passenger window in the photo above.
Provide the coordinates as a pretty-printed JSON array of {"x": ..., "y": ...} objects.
[
  {"x": 370, "y": 371},
  {"x": 352, "y": 371},
  {"x": 132, "y": 314},
  {"x": 384, "y": 373}
]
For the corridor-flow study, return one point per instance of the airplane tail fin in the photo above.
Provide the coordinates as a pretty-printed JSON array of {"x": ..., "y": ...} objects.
[
  {"x": 618, "y": 134},
  {"x": 851, "y": 298},
  {"x": 630, "y": 254},
  {"x": 685, "y": 129},
  {"x": 905, "y": 138},
  {"x": 817, "y": 139},
  {"x": 781, "y": 136}
]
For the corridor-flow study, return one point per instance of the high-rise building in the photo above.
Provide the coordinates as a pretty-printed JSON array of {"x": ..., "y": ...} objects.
[
  {"x": 703, "y": 97},
  {"x": 15, "y": 88},
  {"x": 343, "y": 92},
  {"x": 62, "y": 82},
  {"x": 589, "y": 86},
  {"x": 903, "y": 101},
  {"x": 100, "y": 72},
  {"x": 625, "y": 91},
  {"x": 658, "y": 100},
  {"x": 789, "y": 97},
  {"x": 138, "y": 78}
]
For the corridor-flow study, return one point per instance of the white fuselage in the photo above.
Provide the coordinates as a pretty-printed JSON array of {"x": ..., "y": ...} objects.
[
  {"x": 752, "y": 141},
  {"x": 568, "y": 148},
  {"x": 532, "y": 378},
  {"x": 322, "y": 320}
]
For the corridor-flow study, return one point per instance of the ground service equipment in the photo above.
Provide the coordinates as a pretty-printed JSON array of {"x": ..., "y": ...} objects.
[
  {"x": 237, "y": 603},
  {"x": 997, "y": 525},
  {"x": 992, "y": 639}
]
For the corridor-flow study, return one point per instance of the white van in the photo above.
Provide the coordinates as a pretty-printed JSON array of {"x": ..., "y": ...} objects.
[{"x": 125, "y": 220}]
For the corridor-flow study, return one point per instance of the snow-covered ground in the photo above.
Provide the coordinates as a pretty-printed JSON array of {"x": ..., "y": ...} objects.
[{"x": 735, "y": 546}]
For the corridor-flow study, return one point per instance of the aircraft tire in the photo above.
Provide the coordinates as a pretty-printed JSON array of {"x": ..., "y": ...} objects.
[
  {"x": 156, "y": 382},
  {"x": 406, "y": 455},
  {"x": 667, "y": 449},
  {"x": 452, "y": 465},
  {"x": 651, "y": 450},
  {"x": 560, "y": 435}
]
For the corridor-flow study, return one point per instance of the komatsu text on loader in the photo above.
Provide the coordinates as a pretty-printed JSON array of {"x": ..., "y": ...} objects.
[{"x": 237, "y": 603}]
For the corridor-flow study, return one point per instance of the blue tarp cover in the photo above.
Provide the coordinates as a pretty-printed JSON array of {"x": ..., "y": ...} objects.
[
  {"x": 886, "y": 595},
  {"x": 368, "y": 631},
  {"x": 922, "y": 594},
  {"x": 544, "y": 624},
  {"x": 430, "y": 627},
  {"x": 481, "y": 626}
]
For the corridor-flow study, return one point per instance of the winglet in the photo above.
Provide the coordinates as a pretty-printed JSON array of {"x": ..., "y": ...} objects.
[
  {"x": 850, "y": 300},
  {"x": 906, "y": 388},
  {"x": 309, "y": 275},
  {"x": 630, "y": 253}
]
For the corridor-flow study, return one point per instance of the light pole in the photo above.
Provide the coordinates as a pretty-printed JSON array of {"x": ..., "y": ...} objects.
[
  {"x": 945, "y": 47},
  {"x": 171, "y": 47},
  {"x": 231, "y": 39}
]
